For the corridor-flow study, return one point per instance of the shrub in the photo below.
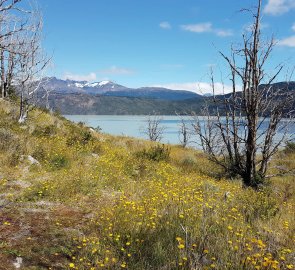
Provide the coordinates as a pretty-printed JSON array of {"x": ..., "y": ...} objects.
[
  {"x": 12, "y": 146},
  {"x": 155, "y": 153},
  {"x": 97, "y": 148},
  {"x": 188, "y": 163},
  {"x": 39, "y": 153},
  {"x": 59, "y": 162},
  {"x": 98, "y": 129},
  {"x": 46, "y": 131},
  {"x": 82, "y": 137},
  {"x": 14, "y": 154},
  {"x": 290, "y": 147},
  {"x": 6, "y": 139}
]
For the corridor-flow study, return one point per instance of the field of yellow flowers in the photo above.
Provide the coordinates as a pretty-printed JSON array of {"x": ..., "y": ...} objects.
[{"x": 72, "y": 198}]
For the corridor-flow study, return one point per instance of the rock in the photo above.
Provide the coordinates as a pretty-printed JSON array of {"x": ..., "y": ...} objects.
[
  {"x": 18, "y": 262},
  {"x": 33, "y": 160},
  {"x": 30, "y": 159},
  {"x": 19, "y": 183},
  {"x": 95, "y": 155}
]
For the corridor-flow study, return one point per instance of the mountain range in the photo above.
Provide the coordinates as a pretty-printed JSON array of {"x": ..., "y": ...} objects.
[
  {"x": 109, "y": 98},
  {"x": 106, "y": 97},
  {"x": 109, "y": 88}
]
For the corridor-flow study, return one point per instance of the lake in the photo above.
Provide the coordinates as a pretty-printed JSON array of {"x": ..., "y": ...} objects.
[
  {"x": 131, "y": 125},
  {"x": 134, "y": 126}
]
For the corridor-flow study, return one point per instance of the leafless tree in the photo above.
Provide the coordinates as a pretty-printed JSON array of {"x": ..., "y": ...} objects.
[
  {"x": 241, "y": 131},
  {"x": 22, "y": 60},
  {"x": 154, "y": 130},
  {"x": 10, "y": 24},
  {"x": 46, "y": 93},
  {"x": 184, "y": 133},
  {"x": 31, "y": 64}
]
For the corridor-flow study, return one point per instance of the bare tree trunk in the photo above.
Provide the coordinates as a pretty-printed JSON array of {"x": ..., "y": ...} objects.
[
  {"x": 3, "y": 92},
  {"x": 23, "y": 110},
  {"x": 184, "y": 132},
  {"x": 250, "y": 172},
  {"x": 9, "y": 76}
]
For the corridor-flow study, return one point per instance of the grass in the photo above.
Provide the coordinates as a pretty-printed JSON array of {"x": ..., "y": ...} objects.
[{"x": 103, "y": 202}]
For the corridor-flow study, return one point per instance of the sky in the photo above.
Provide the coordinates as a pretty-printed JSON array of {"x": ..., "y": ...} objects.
[{"x": 170, "y": 43}]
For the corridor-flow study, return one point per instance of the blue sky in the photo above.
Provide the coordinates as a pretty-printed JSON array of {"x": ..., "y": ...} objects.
[{"x": 156, "y": 42}]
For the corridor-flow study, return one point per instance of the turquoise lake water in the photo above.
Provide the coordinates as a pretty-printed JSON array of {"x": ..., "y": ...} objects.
[{"x": 134, "y": 126}]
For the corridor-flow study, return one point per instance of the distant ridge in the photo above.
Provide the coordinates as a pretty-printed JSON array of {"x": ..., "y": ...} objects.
[
  {"x": 109, "y": 98},
  {"x": 109, "y": 88}
]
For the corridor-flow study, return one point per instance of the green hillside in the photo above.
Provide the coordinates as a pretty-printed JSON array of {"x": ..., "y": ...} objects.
[
  {"x": 71, "y": 198},
  {"x": 111, "y": 105}
]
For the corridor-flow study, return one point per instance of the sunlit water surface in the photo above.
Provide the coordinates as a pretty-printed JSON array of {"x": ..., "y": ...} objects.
[{"x": 134, "y": 126}]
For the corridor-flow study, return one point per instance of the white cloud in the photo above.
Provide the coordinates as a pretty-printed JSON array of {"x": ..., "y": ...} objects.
[
  {"x": 79, "y": 77},
  {"x": 206, "y": 28},
  {"x": 165, "y": 25},
  {"x": 197, "y": 28},
  {"x": 278, "y": 7},
  {"x": 223, "y": 33},
  {"x": 114, "y": 70},
  {"x": 288, "y": 42},
  {"x": 199, "y": 87}
]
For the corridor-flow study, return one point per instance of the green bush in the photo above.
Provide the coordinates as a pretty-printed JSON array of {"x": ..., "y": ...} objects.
[
  {"x": 46, "y": 131},
  {"x": 59, "y": 162},
  {"x": 155, "y": 153},
  {"x": 82, "y": 137}
]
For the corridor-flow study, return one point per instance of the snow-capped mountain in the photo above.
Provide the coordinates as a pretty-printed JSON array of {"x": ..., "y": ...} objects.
[
  {"x": 94, "y": 87},
  {"x": 109, "y": 88},
  {"x": 94, "y": 84}
]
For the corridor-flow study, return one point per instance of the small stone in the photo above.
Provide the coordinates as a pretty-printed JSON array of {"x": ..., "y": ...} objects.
[
  {"x": 33, "y": 160},
  {"x": 18, "y": 262},
  {"x": 95, "y": 155}
]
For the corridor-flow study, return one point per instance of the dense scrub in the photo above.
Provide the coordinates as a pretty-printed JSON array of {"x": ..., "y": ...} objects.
[{"x": 92, "y": 201}]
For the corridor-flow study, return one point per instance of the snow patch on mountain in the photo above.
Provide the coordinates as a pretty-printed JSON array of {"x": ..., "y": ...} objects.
[
  {"x": 102, "y": 83},
  {"x": 92, "y": 84},
  {"x": 88, "y": 84},
  {"x": 79, "y": 85}
]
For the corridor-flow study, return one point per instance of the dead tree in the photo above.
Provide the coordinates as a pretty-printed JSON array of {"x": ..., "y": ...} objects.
[
  {"x": 46, "y": 89},
  {"x": 239, "y": 131},
  {"x": 11, "y": 23},
  {"x": 154, "y": 130},
  {"x": 184, "y": 133},
  {"x": 31, "y": 64}
]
